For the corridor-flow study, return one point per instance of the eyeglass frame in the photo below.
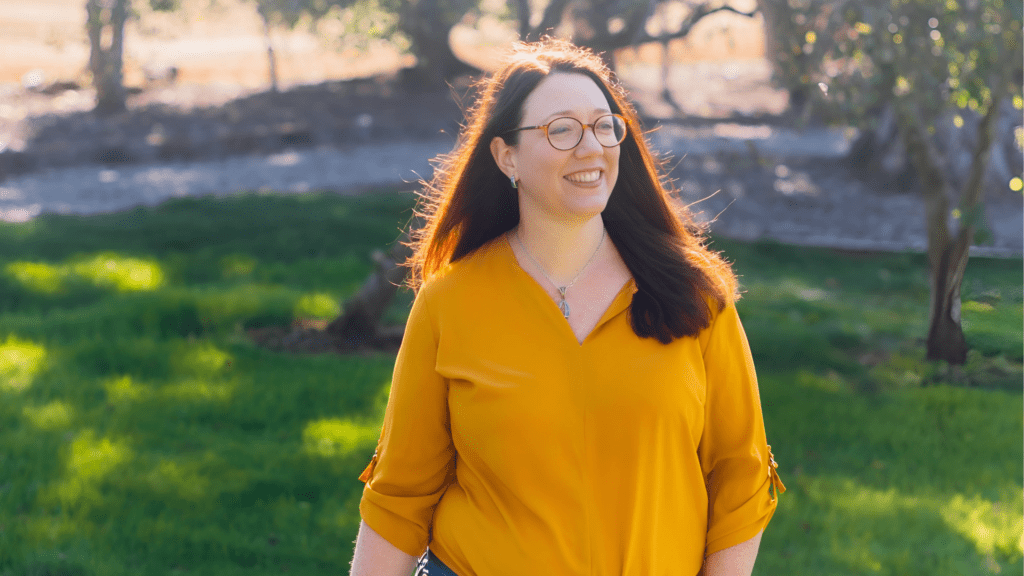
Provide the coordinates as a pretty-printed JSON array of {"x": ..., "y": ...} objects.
[{"x": 592, "y": 126}]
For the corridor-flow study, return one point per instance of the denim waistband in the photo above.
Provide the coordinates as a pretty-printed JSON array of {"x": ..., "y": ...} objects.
[{"x": 430, "y": 565}]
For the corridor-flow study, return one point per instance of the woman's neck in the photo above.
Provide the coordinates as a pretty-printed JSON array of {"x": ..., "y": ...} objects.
[{"x": 562, "y": 250}]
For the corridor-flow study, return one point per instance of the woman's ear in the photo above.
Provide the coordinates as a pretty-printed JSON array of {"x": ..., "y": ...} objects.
[{"x": 503, "y": 156}]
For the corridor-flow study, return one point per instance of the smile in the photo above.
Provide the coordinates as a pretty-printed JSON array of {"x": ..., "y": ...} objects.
[{"x": 584, "y": 177}]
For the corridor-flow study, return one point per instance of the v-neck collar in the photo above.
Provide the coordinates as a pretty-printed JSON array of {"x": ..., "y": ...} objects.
[{"x": 621, "y": 301}]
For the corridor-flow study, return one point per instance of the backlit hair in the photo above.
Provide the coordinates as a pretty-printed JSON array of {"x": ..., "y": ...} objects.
[{"x": 470, "y": 201}]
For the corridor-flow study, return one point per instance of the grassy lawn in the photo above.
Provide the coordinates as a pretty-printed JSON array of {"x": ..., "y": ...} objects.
[{"x": 141, "y": 432}]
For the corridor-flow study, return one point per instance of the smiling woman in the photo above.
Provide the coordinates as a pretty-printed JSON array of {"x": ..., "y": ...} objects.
[{"x": 574, "y": 393}]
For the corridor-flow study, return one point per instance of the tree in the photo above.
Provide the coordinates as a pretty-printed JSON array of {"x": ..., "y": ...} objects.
[
  {"x": 360, "y": 321},
  {"x": 426, "y": 24},
  {"x": 106, "y": 61},
  {"x": 289, "y": 12},
  {"x": 606, "y": 26},
  {"x": 107, "y": 18},
  {"x": 939, "y": 71}
]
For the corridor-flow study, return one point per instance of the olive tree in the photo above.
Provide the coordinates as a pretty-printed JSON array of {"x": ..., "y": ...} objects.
[
  {"x": 424, "y": 26},
  {"x": 939, "y": 72}
]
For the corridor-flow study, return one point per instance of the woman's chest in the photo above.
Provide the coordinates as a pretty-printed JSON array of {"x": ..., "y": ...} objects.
[{"x": 525, "y": 390}]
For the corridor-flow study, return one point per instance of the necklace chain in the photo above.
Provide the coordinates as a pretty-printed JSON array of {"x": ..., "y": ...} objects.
[{"x": 563, "y": 305}]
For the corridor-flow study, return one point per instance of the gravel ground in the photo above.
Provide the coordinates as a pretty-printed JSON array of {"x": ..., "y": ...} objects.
[
  {"x": 733, "y": 157},
  {"x": 760, "y": 182},
  {"x": 92, "y": 189}
]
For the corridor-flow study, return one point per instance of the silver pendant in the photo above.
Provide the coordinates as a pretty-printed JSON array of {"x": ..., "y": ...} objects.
[{"x": 564, "y": 307}]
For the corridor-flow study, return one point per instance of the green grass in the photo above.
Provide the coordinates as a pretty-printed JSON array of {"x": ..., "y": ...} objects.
[{"x": 141, "y": 432}]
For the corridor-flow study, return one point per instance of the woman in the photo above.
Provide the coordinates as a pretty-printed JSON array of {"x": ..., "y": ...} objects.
[{"x": 574, "y": 393}]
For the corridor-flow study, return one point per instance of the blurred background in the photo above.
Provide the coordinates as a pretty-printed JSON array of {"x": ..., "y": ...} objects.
[{"x": 202, "y": 204}]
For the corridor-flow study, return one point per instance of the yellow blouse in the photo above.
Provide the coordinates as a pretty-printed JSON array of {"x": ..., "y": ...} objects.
[{"x": 511, "y": 448}]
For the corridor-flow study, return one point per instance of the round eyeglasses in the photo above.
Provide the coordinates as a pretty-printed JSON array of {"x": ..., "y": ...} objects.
[{"x": 566, "y": 133}]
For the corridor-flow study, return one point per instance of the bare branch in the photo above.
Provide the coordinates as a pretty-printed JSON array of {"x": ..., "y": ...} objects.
[{"x": 699, "y": 12}]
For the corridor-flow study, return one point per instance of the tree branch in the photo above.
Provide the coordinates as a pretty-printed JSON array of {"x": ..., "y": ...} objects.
[
  {"x": 633, "y": 37},
  {"x": 975, "y": 188},
  {"x": 934, "y": 187},
  {"x": 700, "y": 12}
]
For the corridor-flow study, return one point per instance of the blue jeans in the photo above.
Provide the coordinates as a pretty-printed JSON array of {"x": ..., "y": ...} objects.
[{"x": 430, "y": 565}]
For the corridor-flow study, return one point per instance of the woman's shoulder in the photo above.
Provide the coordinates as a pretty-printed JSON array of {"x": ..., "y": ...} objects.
[
  {"x": 468, "y": 274},
  {"x": 720, "y": 310}
]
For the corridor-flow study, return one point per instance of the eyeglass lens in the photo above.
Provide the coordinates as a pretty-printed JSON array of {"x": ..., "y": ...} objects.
[{"x": 566, "y": 133}]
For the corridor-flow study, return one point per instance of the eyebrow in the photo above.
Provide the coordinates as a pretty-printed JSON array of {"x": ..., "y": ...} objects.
[{"x": 569, "y": 112}]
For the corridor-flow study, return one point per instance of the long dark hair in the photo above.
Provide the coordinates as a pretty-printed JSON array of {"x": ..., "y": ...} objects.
[{"x": 470, "y": 202}]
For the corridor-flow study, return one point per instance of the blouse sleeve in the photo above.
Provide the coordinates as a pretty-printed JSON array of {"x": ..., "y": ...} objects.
[
  {"x": 737, "y": 463},
  {"x": 415, "y": 460}
]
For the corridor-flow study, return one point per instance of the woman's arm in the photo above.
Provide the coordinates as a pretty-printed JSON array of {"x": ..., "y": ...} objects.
[
  {"x": 735, "y": 560},
  {"x": 375, "y": 556}
]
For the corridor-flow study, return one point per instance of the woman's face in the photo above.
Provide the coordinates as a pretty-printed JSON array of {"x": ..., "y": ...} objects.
[{"x": 562, "y": 184}]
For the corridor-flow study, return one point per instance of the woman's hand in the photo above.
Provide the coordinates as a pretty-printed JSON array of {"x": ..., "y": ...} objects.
[{"x": 375, "y": 556}]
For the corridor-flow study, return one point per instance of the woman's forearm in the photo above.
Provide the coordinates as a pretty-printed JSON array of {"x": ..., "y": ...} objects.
[
  {"x": 735, "y": 560},
  {"x": 375, "y": 556}
]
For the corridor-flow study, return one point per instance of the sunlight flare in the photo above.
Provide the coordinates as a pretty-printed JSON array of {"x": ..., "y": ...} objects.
[
  {"x": 201, "y": 359},
  {"x": 20, "y": 362},
  {"x": 124, "y": 389},
  {"x": 317, "y": 305},
  {"x": 56, "y": 415},
  {"x": 37, "y": 276},
  {"x": 121, "y": 273},
  {"x": 329, "y": 438},
  {"x": 990, "y": 526}
]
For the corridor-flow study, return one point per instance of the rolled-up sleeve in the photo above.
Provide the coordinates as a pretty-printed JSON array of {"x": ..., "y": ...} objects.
[
  {"x": 739, "y": 469},
  {"x": 415, "y": 460}
]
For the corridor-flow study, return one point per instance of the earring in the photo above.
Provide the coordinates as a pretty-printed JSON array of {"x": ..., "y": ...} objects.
[{"x": 513, "y": 178}]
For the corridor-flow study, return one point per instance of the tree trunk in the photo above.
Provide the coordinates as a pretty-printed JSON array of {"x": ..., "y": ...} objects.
[
  {"x": 947, "y": 254},
  {"x": 360, "y": 321},
  {"x": 782, "y": 49},
  {"x": 523, "y": 13},
  {"x": 774, "y": 14},
  {"x": 94, "y": 29},
  {"x": 428, "y": 24},
  {"x": 106, "y": 62},
  {"x": 271, "y": 59}
]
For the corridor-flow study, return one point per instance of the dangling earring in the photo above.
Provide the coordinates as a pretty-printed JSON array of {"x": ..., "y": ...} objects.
[{"x": 513, "y": 178}]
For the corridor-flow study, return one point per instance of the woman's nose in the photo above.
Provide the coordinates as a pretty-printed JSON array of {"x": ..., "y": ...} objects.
[{"x": 588, "y": 144}]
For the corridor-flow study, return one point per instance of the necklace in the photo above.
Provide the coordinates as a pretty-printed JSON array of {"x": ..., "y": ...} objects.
[{"x": 563, "y": 305}]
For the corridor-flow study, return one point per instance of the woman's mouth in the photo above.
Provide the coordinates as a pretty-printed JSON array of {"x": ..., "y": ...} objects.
[{"x": 586, "y": 177}]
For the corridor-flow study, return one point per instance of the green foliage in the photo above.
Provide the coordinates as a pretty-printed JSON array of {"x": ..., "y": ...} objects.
[
  {"x": 935, "y": 54},
  {"x": 289, "y": 12},
  {"x": 141, "y": 431}
]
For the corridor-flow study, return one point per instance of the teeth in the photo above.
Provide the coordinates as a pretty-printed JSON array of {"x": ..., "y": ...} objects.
[{"x": 583, "y": 177}]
